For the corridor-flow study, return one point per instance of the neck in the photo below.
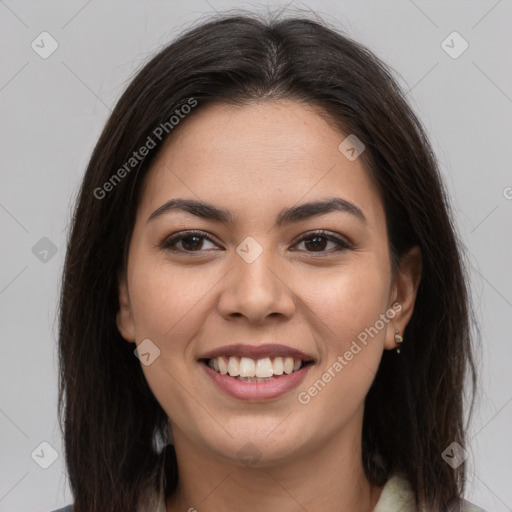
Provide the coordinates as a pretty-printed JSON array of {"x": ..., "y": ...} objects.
[{"x": 327, "y": 477}]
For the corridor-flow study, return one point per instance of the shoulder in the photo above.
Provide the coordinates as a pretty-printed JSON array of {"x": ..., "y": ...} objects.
[
  {"x": 397, "y": 490},
  {"x": 397, "y": 494}
]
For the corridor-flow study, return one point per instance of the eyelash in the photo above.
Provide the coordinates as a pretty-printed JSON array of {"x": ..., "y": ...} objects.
[{"x": 174, "y": 239}]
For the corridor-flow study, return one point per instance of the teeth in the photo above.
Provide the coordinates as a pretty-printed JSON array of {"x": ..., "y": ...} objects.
[
  {"x": 223, "y": 365},
  {"x": 264, "y": 368},
  {"x": 234, "y": 366},
  {"x": 246, "y": 368},
  {"x": 278, "y": 366},
  {"x": 288, "y": 365}
]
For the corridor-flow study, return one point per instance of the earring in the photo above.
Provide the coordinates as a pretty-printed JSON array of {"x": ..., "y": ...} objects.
[{"x": 399, "y": 339}]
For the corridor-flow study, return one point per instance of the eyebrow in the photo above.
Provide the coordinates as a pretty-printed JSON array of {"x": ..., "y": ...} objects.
[{"x": 285, "y": 216}]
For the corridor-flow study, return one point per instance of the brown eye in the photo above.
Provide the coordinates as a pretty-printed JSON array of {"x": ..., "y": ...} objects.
[
  {"x": 194, "y": 242},
  {"x": 318, "y": 242},
  {"x": 191, "y": 241}
]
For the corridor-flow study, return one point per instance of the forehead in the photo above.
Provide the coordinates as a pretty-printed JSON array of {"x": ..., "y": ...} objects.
[{"x": 253, "y": 159}]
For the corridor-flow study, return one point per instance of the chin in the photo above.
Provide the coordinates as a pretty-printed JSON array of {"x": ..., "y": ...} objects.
[{"x": 266, "y": 446}]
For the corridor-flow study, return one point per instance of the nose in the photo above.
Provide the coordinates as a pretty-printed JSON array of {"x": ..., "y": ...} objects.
[{"x": 256, "y": 290}]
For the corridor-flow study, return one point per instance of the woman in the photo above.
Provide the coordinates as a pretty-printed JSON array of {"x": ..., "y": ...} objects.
[{"x": 264, "y": 305}]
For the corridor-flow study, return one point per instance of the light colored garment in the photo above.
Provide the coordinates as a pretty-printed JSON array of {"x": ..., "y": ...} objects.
[{"x": 396, "y": 496}]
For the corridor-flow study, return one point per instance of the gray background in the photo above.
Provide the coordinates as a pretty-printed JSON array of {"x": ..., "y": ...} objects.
[{"x": 53, "y": 110}]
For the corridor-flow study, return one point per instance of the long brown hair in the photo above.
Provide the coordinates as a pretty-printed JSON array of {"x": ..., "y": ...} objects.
[{"x": 113, "y": 427}]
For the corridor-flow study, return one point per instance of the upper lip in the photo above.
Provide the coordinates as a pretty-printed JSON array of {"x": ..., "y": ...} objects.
[{"x": 256, "y": 352}]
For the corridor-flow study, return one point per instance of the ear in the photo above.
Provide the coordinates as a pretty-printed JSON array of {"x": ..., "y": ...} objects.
[
  {"x": 403, "y": 292},
  {"x": 124, "y": 317}
]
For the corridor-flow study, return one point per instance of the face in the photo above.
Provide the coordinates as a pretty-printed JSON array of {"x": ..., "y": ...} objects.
[{"x": 314, "y": 285}]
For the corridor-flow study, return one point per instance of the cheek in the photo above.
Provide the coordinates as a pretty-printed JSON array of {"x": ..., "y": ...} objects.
[
  {"x": 349, "y": 299},
  {"x": 349, "y": 315},
  {"x": 165, "y": 304},
  {"x": 348, "y": 305},
  {"x": 164, "y": 299}
]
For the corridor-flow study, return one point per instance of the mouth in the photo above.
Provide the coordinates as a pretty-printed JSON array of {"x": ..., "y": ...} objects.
[
  {"x": 256, "y": 373},
  {"x": 245, "y": 369}
]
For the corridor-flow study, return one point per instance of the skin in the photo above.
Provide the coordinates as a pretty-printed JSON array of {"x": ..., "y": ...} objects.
[{"x": 254, "y": 161}]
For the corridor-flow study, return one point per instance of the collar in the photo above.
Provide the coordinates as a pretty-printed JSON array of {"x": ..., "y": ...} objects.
[{"x": 396, "y": 495}]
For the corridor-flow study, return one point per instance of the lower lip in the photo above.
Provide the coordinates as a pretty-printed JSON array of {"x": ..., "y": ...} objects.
[{"x": 257, "y": 391}]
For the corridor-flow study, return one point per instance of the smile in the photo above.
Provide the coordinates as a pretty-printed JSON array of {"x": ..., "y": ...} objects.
[
  {"x": 250, "y": 370},
  {"x": 256, "y": 373}
]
